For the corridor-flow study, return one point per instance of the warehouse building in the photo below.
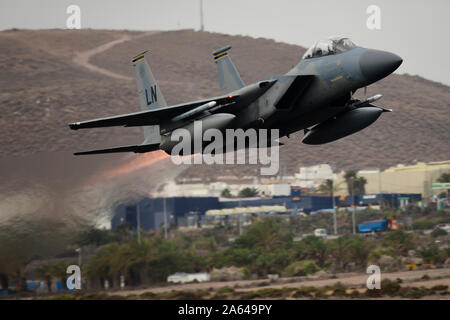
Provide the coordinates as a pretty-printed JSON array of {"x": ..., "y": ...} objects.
[
  {"x": 417, "y": 178},
  {"x": 198, "y": 211}
]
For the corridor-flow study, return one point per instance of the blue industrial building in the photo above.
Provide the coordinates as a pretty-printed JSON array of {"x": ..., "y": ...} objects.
[
  {"x": 152, "y": 211},
  {"x": 182, "y": 210}
]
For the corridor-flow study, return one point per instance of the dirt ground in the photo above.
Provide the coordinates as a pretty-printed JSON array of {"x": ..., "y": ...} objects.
[{"x": 427, "y": 278}]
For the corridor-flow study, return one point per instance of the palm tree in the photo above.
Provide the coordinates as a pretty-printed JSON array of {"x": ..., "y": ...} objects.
[
  {"x": 59, "y": 271},
  {"x": 45, "y": 272},
  {"x": 350, "y": 177},
  {"x": 330, "y": 188},
  {"x": 132, "y": 259},
  {"x": 4, "y": 281},
  {"x": 361, "y": 183},
  {"x": 445, "y": 177},
  {"x": 226, "y": 193},
  {"x": 355, "y": 185},
  {"x": 101, "y": 265}
]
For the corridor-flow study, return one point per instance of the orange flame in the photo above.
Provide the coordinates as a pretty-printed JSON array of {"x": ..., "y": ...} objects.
[{"x": 138, "y": 162}]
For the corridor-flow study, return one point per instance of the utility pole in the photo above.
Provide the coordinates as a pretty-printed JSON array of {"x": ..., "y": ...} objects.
[
  {"x": 240, "y": 223},
  {"x": 240, "y": 217},
  {"x": 353, "y": 206},
  {"x": 138, "y": 213},
  {"x": 165, "y": 218},
  {"x": 79, "y": 255},
  {"x": 202, "y": 26},
  {"x": 334, "y": 207}
]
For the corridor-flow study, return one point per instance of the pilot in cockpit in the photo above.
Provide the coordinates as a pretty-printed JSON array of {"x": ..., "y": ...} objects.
[{"x": 333, "y": 45}]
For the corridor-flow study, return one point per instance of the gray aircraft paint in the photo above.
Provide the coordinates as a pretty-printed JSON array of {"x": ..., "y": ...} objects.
[
  {"x": 150, "y": 96},
  {"x": 229, "y": 77},
  {"x": 315, "y": 91}
]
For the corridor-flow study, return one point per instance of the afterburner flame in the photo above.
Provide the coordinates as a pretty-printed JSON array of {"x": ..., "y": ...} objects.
[{"x": 138, "y": 162}]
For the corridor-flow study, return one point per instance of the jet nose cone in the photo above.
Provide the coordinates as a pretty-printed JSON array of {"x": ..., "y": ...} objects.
[{"x": 376, "y": 64}]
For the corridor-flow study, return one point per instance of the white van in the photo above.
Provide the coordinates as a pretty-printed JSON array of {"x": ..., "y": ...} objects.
[
  {"x": 444, "y": 226},
  {"x": 320, "y": 232}
]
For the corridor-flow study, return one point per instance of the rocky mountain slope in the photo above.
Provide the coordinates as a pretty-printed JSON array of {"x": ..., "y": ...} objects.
[{"x": 42, "y": 89}]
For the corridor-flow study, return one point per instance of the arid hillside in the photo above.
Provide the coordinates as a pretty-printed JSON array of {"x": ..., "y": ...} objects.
[{"x": 46, "y": 84}]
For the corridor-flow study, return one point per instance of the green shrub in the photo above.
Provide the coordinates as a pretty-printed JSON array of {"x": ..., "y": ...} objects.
[
  {"x": 413, "y": 292},
  {"x": 423, "y": 225},
  {"x": 305, "y": 292},
  {"x": 301, "y": 268},
  {"x": 440, "y": 287},
  {"x": 432, "y": 254},
  {"x": 64, "y": 297},
  {"x": 266, "y": 293},
  {"x": 148, "y": 295},
  {"x": 339, "y": 292},
  {"x": 399, "y": 240},
  {"x": 355, "y": 294},
  {"x": 339, "y": 289},
  {"x": 373, "y": 293},
  {"x": 224, "y": 293},
  {"x": 376, "y": 253},
  {"x": 183, "y": 295},
  {"x": 247, "y": 273},
  {"x": 225, "y": 290},
  {"x": 389, "y": 287},
  {"x": 101, "y": 296}
]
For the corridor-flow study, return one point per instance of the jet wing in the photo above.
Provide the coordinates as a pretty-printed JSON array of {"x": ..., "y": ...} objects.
[
  {"x": 149, "y": 117},
  {"x": 134, "y": 148}
]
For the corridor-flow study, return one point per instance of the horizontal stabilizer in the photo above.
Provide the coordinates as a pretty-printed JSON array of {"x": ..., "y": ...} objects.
[{"x": 136, "y": 149}]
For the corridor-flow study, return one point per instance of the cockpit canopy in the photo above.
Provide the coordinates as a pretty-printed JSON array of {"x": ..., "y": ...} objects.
[{"x": 330, "y": 46}]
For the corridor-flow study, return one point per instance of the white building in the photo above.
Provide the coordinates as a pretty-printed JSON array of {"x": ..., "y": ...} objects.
[
  {"x": 280, "y": 189},
  {"x": 182, "y": 277},
  {"x": 214, "y": 189},
  {"x": 314, "y": 176}
]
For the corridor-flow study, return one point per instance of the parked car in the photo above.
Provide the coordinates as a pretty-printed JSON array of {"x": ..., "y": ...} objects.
[
  {"x": 444, "y": 226},
  {"x": 320, "y": 232}
]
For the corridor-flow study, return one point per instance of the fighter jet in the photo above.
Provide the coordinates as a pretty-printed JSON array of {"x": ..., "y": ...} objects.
[{"x": 315, "y": 96}]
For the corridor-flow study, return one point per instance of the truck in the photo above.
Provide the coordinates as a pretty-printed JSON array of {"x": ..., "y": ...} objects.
[{"x": 380, "y": 225}]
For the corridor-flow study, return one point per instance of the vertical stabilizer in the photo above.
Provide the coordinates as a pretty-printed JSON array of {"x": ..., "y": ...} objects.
[
  {"x": 150, "y": 96},
  {"x": 229, "y": 77}
]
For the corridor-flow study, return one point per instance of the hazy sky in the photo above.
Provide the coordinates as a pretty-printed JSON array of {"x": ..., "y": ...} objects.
[{"x": 418, "y": 31}]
